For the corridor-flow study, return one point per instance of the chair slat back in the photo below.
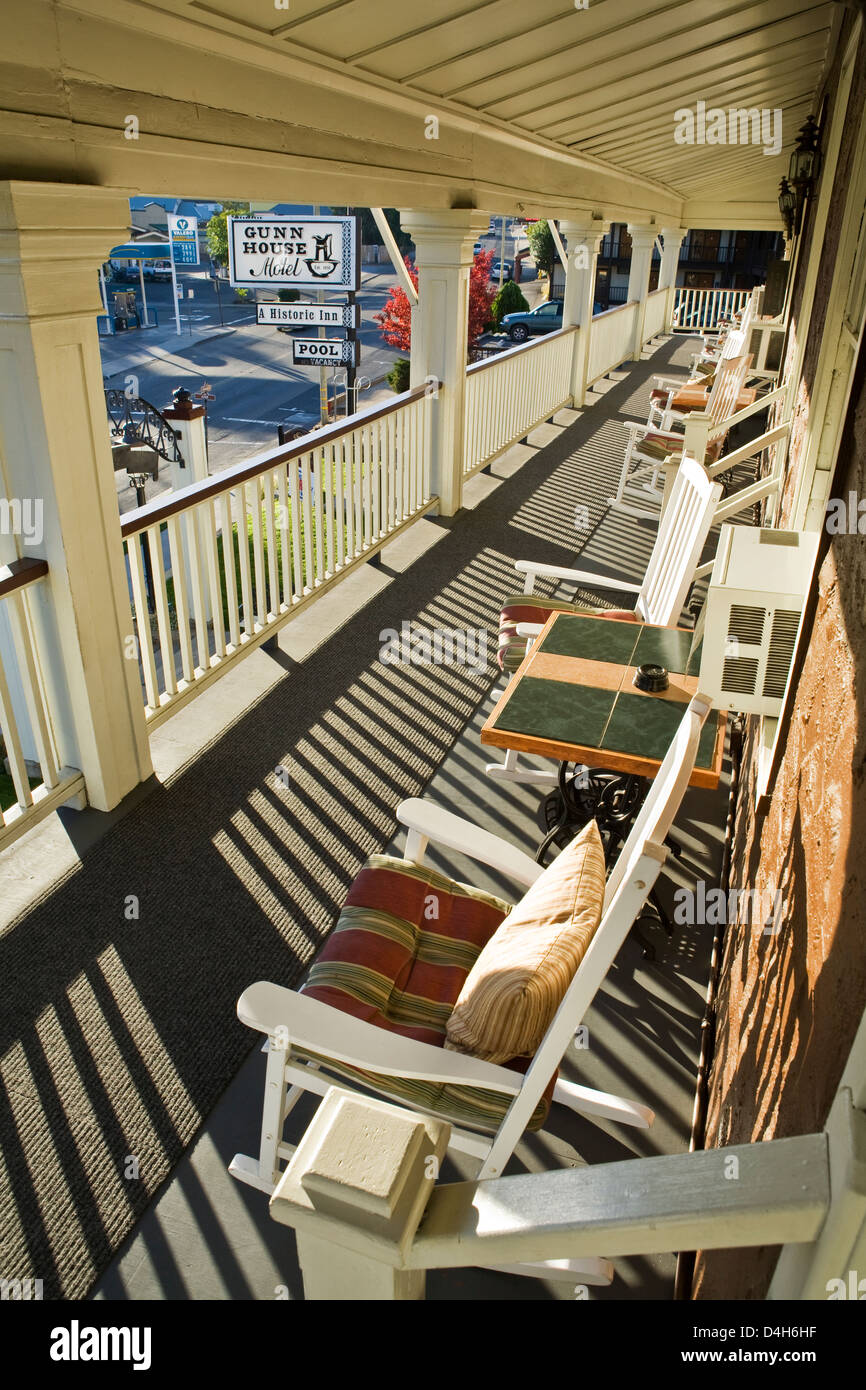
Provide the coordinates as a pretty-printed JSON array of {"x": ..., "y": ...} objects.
[
  {"x": 637, "y": 867},
  {"x": 682, "y": 533},
  {"x": 727, "y": 385}
]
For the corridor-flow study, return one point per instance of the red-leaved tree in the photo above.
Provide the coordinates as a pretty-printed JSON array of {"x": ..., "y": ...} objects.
[{"x": 395, "y": 319}]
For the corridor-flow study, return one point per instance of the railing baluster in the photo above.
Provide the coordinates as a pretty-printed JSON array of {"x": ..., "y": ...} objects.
[
  {"x": 328, "y": 465},
  {"x": 142, "y": 621},
  {"x": 228, "y": 564},
  {"x": 271, "y": 537},
  {"x": 340, "y": 509},
  {"x": 261, "y": 598},
  {"x": 285, "y": 535},
  {"x": 309, "y": 539},
  {"x": 163, "y": 623},
  {"x": 181, "y": 604},
  {"x": 316, "y": 466},
  {"x": 198, "y": 605},
  {"x": 243, "y": 543},
  {"x": 12, "y": 740},
  {"x": 25, "y": 654},
  {"x": 209, "y": 548},
  {"x": 294, "y": 476}
]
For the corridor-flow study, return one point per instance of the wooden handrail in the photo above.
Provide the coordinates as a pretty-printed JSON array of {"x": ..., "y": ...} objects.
[
  {"x": 20, "y": 573},
  {"x": 162, "y": 508},
  {"x": 520, "y": 347}
]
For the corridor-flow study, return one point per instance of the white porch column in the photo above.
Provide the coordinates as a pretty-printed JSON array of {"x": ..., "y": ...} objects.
[
  {"x": 55, "y": 450},
  {"x": 672, "y": 240},
  {"x": 642, "y": 242},
  {"x": 443, "y": 242},
  {"x": 584, "y": 236}
]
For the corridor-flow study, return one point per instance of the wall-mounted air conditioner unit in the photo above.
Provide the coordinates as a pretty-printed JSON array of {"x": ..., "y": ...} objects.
[{"x": 754, "y": 605}]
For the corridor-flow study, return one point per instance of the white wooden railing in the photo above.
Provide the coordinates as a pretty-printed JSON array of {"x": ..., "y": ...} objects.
[
  {"x": 29, "y": 757},
  {"x": 611, "y": 339},
  {"x": 696, "y": 311},
  {"x": 228, "y": 560},
  {"x": 510, "y": 394},
  {"x": 654, "y": 317}
]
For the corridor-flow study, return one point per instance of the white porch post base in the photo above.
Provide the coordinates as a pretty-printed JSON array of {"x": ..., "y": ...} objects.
[
  {"x": 55, "y": 450},
  {"x": 642, "y": 242},
  {"x": 584, "y": 237},
  {"x": 443, "y": 242},
  {"x": 355, "y": 1191}
]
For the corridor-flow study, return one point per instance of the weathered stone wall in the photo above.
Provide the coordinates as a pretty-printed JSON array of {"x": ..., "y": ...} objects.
[{"x": 789, "y": 1003}]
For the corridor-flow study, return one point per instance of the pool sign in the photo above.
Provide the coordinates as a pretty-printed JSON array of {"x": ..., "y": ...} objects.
[
  {"x": 183, "y": 236},
  {"x": 306, "y": 252},
  {"x": 334, "y": 350},
  {"x": 309, "y": 315}
]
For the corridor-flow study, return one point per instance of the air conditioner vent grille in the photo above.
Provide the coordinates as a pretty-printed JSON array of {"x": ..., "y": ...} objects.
[
  {"x": 746, "y": 623},
  {"x": 783, "y": 636},
  {"x": 739, "y": 675}
]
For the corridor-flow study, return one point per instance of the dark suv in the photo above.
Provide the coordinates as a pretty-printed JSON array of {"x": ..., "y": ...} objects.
[{"x": 544, "y": 318}]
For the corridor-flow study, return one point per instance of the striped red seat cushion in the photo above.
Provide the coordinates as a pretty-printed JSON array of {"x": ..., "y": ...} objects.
[
  {"x": 398, "y": 957},
  {"x": 527, "y": 608}
]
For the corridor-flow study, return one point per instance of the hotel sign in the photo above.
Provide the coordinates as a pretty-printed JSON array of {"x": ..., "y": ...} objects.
[
  {"x": 308, "y": 252},
  {"x": 340, "y": 351},
  {"x": 309, "y": 315}
]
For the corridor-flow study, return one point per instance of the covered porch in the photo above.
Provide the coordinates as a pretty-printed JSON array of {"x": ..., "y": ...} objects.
[{"x": 205, "y": 736}]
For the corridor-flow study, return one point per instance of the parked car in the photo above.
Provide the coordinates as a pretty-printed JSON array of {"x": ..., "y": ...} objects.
[
  {"x": 476, "y": 248},
  {"x": 157, "y": 270},
  {"x": 505, "y": 267},
  {"x": 544, "y": 318}
]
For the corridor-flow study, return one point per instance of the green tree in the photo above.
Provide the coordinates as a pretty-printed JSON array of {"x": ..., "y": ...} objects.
[
  {"x": 509, "y": 300},
  {"x": 217, "y": 232},
  {"x": 370, "y": 234},
  {"x": 542, "y": 246},
  {"x": 398, "y": 377}
]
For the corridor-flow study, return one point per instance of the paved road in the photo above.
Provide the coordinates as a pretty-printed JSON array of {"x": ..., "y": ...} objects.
[{"x": 248, "y": 366}]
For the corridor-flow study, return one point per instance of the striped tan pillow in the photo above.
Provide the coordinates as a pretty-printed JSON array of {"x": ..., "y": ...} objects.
[{"x": 519, "y": 979}]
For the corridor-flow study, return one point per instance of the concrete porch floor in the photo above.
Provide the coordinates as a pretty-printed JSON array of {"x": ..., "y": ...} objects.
[{"x": 205, "y": 1236}]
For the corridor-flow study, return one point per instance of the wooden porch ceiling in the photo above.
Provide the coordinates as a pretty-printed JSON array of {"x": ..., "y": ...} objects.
[{"x": 592, "y": 92}]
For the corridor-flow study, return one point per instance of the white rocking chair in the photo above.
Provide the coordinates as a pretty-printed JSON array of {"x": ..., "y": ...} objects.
[
  {"x": 647, "y": 448},
  {"x": 305, "y": 1035}
]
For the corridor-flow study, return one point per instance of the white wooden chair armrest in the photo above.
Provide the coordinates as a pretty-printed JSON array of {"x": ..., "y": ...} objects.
[
  {"x": 636, "y": 428},
  {"x": 530, "y": 629},
  {"x": 427, "y": 821},
  {"x": 598, "y": 581},
  {"x": 295, "y": 1020},
  {"x": 668, "y": 381}
]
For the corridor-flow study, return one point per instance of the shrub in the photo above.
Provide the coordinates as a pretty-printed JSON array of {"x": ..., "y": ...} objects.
[
  {"x": 288, "y": 296},
  {"x": 398, "y": 377},
  {"x": 509, "y": 300}
]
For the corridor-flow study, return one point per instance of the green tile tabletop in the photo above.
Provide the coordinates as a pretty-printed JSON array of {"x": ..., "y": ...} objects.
[
  {"x": 558, "y": 711},
  {"x": 668, "y": 647},
  {"x": 643, "y": 727},
  {"x": 594, "y": 639}
]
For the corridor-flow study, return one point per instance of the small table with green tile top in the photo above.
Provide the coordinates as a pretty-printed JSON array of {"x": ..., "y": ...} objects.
[{"x": 572, "y": 698}]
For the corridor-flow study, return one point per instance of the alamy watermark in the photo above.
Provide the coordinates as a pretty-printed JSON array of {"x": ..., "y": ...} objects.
[
  {"x": 739, "y": 125},
  {"x": 758, "y": 907},
  {"x": 22, "y": 517},
  {"x": 846, "y": 516},
  {"x": 440, "y": 646}
]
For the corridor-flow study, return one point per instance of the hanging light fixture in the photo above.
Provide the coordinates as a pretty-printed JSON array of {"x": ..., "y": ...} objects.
[
  {"x": 803, "y": 167},
  {"x": 787, "y": 207}
]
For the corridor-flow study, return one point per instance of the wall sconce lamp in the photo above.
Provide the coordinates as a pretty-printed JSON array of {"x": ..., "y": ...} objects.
[
  {"x": 787, "y": 207},
  {"x": 803, "y": 171}
]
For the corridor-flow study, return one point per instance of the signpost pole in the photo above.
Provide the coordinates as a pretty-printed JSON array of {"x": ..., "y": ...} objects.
[
  {"x": 174, "y": 286},
  {"x": 143, "y": 292},
  {"x": 351, "y": 369}
]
